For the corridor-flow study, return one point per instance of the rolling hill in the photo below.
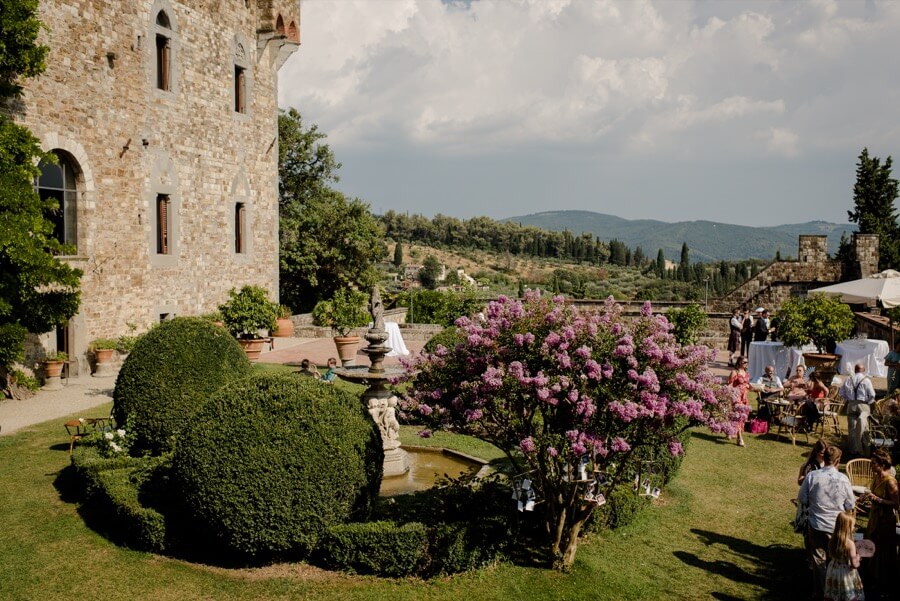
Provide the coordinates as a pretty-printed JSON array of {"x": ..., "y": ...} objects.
[{"x": 707, "y": 240}]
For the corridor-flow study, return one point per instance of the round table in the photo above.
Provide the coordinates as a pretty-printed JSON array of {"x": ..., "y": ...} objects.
[
  {"x": 785, "y": 359},
  {"x": 870, "y": 353}
]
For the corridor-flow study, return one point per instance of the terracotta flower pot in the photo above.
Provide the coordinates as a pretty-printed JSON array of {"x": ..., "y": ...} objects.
[
  {"x": 53, "y": 369},
  {"x": 253, "y": 347},
  {"x": 103, "y": 355},
  {"x": 346, "y": 349},
  {"x": 284, "y": 328}
]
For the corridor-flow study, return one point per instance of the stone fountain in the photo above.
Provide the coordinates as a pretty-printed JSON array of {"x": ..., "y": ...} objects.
[{"x": 381, "y": 403}]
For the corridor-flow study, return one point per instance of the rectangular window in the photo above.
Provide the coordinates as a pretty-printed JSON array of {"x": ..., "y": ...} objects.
[
  {"x": 240, "y": 90},
  {"x": 162, "y": 224},
  {"x": 163, "y": 51},
  {"x": 239, "y": 227}
]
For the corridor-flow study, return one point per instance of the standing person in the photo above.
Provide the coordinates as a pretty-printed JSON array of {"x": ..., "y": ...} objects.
[
  {"x": 884, "y": 499},
  {"x": 746, "y": 333},
  {"x": 892, "y": 361},
  {"x": 734, "y": 335},
  {"x": 740, "y": 379},
  {"x": 827, "y": 492},
  {"x": 816, "y": 460},
  {"x": 842, "y": 581},
  {"x": 859, "y": 394},
  {"x": 761, "y": 327}
]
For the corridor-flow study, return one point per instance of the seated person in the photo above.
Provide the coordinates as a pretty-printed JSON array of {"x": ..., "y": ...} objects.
[
  {"x": 309, "y": 369},
  {"x": 816, "y": 390},
  {"x": 796, "y": 385},
  {"x": 769, "y": 384},
  {"x": 329, "y": 373}
]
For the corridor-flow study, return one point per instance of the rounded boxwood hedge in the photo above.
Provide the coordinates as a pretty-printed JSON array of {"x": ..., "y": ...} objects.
[
  {"x": 169, "y": 374},
  {"x": 448, "y": 337},
  {"x": 272, "y": 461}
]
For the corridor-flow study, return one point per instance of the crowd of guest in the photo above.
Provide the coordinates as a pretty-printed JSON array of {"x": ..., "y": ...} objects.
[{"x": 845, "y": 565}]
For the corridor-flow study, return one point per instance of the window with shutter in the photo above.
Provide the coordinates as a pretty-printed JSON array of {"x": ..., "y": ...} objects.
[
  {"x": 162, "y": 224},
  {"x": 239, "y": 227},
  {"x": 240, "y": 90}
]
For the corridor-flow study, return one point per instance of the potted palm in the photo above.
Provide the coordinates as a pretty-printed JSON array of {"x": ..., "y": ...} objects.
[
  {"x": 284, "y": 327},
  {"x": 249, "y": 315},
  {"x": 345, "y": 311},
  {"x": 822, "y": 320}
]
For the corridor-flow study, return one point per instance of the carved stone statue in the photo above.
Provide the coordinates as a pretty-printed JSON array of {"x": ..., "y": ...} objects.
[{"x": 376, "y": 308}]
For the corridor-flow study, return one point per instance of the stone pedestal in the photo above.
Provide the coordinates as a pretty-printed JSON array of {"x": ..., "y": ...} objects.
[
  {"x": 106, "y": 370},
  {"x": 52, "y": 383},
  {"x": 396, "y": 462}
]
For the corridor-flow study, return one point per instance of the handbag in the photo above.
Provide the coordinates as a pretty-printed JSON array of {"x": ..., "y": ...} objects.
[
  {"x": 801, "y": 519},
  {"x": 759, "y": 426}
]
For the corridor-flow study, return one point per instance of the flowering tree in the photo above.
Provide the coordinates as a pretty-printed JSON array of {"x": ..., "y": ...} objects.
[{"x": 555, "y": 387}]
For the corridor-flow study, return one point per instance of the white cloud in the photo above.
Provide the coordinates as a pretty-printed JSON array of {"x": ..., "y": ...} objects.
[{"x": 678, "y": 81}]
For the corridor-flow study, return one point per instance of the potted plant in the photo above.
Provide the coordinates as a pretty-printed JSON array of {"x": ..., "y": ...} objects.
[
  {"x": 103, "y": 348},
  {"x": 822, "y": 320},
  {"x": 249, "y": 315},
  {"x": 345, "y": 311},
  {"x": 125, "y": 343},
  {"x": 284, "y": 327},
  {"x": 53, "y": 364}
]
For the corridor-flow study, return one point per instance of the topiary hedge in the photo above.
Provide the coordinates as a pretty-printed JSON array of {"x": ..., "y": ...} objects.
[
  {"x": 448, "y": 337},
  {"x": 169, "y": 374},
  {"x": 380, "y": 548},
  {"x": 271, "y": 461}
]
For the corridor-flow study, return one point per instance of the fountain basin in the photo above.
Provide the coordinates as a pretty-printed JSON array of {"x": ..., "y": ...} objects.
[{"x": 426, "y": 466}]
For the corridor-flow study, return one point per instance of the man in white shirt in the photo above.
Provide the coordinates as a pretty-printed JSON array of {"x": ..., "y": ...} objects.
[
  {"x": 859, "y": 394},
  {"x": 826, "y": 492},
  {"x": 769, "y": 384}
]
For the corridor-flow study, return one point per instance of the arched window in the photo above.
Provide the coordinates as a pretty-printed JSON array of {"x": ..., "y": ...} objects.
[
  {"x": 163, "y": 51},
  {"x": 279, "y": 25},
  {"x": 243, "y": 78},
  {"x": 293, "y": 32},
  {"x": 58, "y": 182}
]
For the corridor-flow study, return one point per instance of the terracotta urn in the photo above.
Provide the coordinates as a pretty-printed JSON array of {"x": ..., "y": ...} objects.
[
  {"x": 253, "y": 347},
  {"x": 346, "y": 349}
]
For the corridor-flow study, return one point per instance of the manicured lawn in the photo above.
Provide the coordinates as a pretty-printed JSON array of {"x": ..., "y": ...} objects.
[{"x": 720, "y": 530}]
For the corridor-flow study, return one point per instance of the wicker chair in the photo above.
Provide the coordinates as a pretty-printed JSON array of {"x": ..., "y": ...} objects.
[
  {"x": 794, "y": 423},
  {"x": 860, "y": 473}
]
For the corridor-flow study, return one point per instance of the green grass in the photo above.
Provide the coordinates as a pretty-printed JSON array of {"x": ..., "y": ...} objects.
[{"x": 720, "y": 530}]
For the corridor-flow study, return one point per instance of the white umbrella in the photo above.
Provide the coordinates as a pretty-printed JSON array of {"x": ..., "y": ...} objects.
[{"x": 883, "y": 288}]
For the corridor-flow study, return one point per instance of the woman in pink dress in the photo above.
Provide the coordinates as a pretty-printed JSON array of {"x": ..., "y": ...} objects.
[{"x": 740, "y": 379}]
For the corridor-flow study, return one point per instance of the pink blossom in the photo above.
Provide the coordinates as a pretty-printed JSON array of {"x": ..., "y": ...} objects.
[
  {"x": 424, "y": 433},
  {"x": 552, "y": 452},
  {"x": 619, "y": 445},
  {"x": 675, "y": 448},
  {"x": 527, "y": 445}
]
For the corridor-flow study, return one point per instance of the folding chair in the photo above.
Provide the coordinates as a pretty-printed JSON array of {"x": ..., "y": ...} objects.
[{"x": 795, "y": 423}]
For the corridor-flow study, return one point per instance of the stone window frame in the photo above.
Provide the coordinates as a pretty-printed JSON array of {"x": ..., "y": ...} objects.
[
  {"x": 84, "y": 185},
  {"x": 163, "y": 182},
  {"x": 66, "y": 195},
  {"x": 241, "y": 55},
  {"x": 172, "y": 33},
  {"x": 240, "y": 195}
]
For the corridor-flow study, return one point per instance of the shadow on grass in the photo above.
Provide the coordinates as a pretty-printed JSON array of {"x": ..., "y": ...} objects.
[
  {"x": 777, "y": 569},
  {"x": 716, "y": 438},
  {"x": 61, "y": 446}
]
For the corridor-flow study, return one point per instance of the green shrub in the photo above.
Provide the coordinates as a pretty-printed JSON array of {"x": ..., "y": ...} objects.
[
  {"x": 439, "y": 307},
  {"x": 380, "y": 548},
  {"x": 622, "y": 506},
  {"x": 448, "y": 337},
  {"x": 272, "y": 461},
  {"x": 248, "y": 311},
  {"x": 467, "y": 545},
  {"x": 110, "y": 491},
  {"x": 170, "y": 373},
  {"x": 688, "y": 322}
]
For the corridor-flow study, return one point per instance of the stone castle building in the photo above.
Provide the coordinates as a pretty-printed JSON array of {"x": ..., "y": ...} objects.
[
  {"x": 813, "y": 268},
  {"x": 163, "y": 115}
]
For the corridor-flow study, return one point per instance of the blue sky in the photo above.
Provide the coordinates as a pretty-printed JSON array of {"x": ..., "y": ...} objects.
[{"x": 740, "y": 112}]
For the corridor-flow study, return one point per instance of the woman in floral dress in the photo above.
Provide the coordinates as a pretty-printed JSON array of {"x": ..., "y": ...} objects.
[{"x": 740, "y": 379}]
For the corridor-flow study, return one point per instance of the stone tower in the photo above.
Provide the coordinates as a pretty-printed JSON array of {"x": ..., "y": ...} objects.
[
  {"x": 163, "y": 114},
  {"x": 865, "y": 254}
]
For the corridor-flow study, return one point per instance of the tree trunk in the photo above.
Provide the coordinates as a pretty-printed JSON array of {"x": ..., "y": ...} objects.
[{"x": 563, "y": 561}]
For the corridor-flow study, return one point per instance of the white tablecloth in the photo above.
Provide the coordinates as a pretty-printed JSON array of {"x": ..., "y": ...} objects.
[
  {"x": 870, "y": 353},
  {"x": 395, "y": 340},
  {"x": 785, "y": 359}
]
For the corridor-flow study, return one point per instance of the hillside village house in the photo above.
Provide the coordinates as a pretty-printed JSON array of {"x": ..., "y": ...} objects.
[{"x": 163, "y": 115}]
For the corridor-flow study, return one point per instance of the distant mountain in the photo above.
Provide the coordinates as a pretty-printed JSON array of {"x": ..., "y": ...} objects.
[{"x": 707, "y": 240}]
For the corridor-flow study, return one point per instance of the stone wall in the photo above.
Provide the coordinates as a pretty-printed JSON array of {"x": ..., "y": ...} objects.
[
  {"x": 780, "y": 280},
  {"x": 99, "y": 106}
]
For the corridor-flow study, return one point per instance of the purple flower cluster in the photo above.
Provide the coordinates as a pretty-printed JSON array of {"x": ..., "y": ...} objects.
[{"x": 566, "y": 383}]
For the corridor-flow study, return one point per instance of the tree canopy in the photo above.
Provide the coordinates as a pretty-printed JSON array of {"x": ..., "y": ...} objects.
[
  {"x": 327, "y": 241},
  {"x": 37, "y": 290},
  {"x": 874, "y": 194}
]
